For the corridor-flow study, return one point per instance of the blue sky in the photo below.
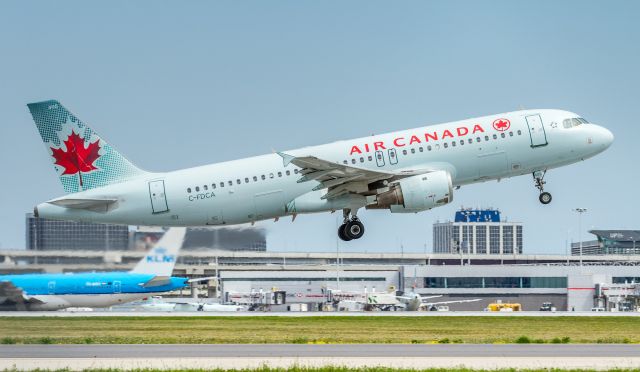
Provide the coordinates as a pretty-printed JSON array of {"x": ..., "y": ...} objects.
[{"x": 179, "y": 84}]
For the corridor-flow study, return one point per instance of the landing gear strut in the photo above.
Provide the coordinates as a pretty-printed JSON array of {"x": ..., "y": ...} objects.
[
  {"x": 351, "y": 228},
  {"x": 545, "y": 197}
]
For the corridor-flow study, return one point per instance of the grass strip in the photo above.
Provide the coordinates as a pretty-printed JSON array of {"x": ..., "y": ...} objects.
[{"x": 317, "y": 330}]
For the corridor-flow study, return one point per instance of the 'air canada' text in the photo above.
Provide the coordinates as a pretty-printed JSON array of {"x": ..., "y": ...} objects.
[{"x": 413, "y": 139}]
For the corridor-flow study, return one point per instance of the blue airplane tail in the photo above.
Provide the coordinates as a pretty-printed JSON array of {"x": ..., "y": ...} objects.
[
  {"x": 161, "y": 259},
  {"x": 81, "y": 158}
]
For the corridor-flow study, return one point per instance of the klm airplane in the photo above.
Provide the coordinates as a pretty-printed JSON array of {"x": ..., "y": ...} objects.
[
  {"x": 408, "y": 171},
  {"x": 151, "y": 276}
]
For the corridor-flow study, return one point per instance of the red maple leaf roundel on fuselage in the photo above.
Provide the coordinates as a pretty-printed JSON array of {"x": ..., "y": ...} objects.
[{"x": 77, "y": 158}]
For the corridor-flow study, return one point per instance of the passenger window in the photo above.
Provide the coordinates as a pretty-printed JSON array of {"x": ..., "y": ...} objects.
[
  {"x": 213, "y": 185},
  {"x": 486, "y": 138},
  {"x": 346, "y": 162},
  {"x": 510, "y": 134},
  {"x": 238, "y": 181},
  {"x": 263, "y": 177},
  {"x": 519, "y": 132},
  {"x": 288, "y": 173},
  {"x": 230, "y": 183},
  {"x": 370, "y": 158},
  {"x": 495, "y": 136},
  {"x": 478, "y": 139},
  {"x": 361, "y": 160},
  {"x": 221, "y": 184},
  {"x": 446, "y": 144},
  {"x": 429, "y": 148},
  {"x": 189, "y": 190},
  {"x": 420, "y": 149},
  {"x": 413, "y": 151},
  {"x": 503, "y": 135},
  {"x": 453, "y": 144},
  {"x": 271, "y": 175},
  {"x": 295, "y": 171},
  {"x": 279, "y": 174},
  {"x": 255, "y": 178},
  {"x": 205, "y": 187},
  {"x": 197, "y": 188},
  {"x": 246, "y": 180},
  {"x": 353, "y": 161},
  {"x": 470, "y": 140},
  {"x": 404, "y": 152},
  {"x": 461, "y": 142}
]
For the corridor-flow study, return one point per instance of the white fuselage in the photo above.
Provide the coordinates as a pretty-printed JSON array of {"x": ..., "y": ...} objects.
[{"x": 261, "y": 187}]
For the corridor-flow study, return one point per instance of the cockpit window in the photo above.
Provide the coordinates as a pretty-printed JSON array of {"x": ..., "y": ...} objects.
[{"x": 573, "y": 122}]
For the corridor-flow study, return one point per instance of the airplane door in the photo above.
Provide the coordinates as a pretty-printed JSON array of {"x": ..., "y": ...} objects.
[
  {"x": 536, "y": 131},
  {"x": 393, "y": 156},
  {"x": 158, "y": 196},
  {"x": 117, "y": 286},
  {"x": 380, "y": 158},
  {"x": 51, "y": 287}
]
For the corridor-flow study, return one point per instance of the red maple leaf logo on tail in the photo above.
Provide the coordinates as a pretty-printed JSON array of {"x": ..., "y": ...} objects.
[{"x": 77, "y": 158}]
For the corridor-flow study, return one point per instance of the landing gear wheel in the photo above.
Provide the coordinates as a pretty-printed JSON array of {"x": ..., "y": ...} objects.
[
  {"x": 342, "y": 232},
  {"x": 538, "y": 177},
  {"x": 354, "y": 229},
  {"x": 545, "y": 198}
]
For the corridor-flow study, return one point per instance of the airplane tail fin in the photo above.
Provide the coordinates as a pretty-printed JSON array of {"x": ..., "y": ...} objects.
[
  {"x": 161, "y": 259},
  {"x": 81, "y": 158}
]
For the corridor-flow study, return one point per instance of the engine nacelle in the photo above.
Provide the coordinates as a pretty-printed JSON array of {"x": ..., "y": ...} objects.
[{"x": 416, "y": 193}]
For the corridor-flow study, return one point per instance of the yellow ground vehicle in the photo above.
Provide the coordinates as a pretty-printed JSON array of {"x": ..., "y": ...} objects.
[{"x": 499, "y": 306}]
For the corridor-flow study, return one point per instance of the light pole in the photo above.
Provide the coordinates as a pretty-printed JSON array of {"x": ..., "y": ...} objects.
[{"x": 580, "y": 211}]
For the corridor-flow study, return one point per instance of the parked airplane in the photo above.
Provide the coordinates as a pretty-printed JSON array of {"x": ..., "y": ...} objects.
[
  {"x": 152, "y": 275},
  {"x": 403, "y": 172},
  {"x": 188, "y": 305},
  {"x": 414, "y": 302}
]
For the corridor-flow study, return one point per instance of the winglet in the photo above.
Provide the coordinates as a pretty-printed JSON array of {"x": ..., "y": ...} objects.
[{"x": 286, "y": 158}]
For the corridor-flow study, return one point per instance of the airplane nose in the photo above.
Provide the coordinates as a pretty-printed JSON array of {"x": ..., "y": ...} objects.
[{"x": 606, "y": 137}]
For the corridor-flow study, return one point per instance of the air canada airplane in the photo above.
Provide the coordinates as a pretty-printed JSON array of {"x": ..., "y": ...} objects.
[
  {"x": 401, "y": 172},
  {"x": 152, "y": 275}
]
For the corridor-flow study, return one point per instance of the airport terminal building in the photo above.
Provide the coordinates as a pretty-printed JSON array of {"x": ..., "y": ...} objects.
[
  {"x": 569, "y": 282},
  {"x": 478, "y": 256}
]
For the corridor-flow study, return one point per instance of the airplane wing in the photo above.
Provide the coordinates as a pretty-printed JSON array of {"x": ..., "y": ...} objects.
[
  {"x": 157, "y": 281},
  {"x": 341, "y": 179},
  {"x": 12, "y": 295},
  {"x": 96, "y": 205},
  {"x": 430, "y": 304}
]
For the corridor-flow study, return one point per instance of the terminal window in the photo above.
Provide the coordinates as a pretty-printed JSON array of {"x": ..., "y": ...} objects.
[
  {"x": 496, "y": 282},
  {"x": 626, "y": 279}
]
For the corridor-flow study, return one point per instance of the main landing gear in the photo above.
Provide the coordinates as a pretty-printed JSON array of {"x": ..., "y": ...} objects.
[
  {"x": 351, "y": 228},
  {"x": 545, "y": 197}
]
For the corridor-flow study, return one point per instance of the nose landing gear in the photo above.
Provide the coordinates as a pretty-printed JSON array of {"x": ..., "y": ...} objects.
[
  {"x": 545, "y": 197},
  {"x": 351, "y": 228}
]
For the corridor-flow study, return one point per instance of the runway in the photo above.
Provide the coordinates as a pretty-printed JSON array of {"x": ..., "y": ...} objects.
[
  {"x": 74, "y": 357},
  {"x": 315, "y": 313}
]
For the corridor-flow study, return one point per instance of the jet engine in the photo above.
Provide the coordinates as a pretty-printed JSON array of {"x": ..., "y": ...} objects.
[{"x": 416, "y": 193}]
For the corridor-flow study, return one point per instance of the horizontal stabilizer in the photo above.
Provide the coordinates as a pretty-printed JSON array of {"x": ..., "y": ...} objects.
[{"x": 95, "y": 205}]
